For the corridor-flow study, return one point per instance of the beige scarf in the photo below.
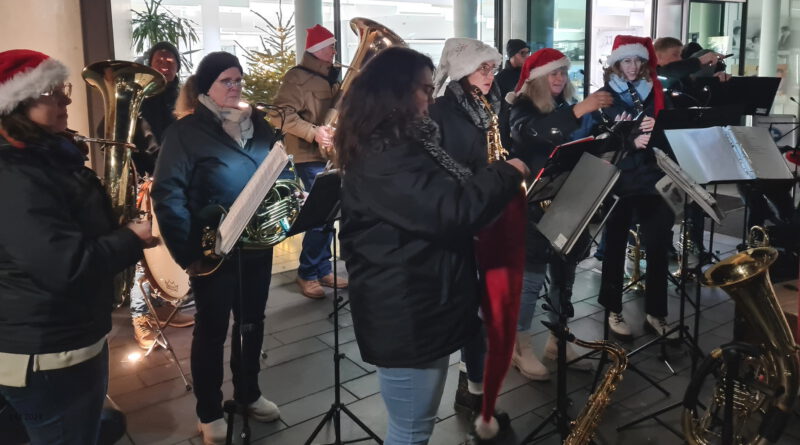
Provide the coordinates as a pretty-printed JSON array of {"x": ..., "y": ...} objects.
[{"x": 235, "y": 121}]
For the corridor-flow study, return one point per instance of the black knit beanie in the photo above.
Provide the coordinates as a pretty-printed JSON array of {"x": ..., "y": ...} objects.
[
  {"x": 514, "y": 46},
  {"x": 166, "y": 46},
  {"x": 210, "y": 68}
]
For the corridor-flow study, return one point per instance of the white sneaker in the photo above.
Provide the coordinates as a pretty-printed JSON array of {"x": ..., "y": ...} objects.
[
  {"x": 264, "y": 410},
  {"x": 551, "y": 352},
  {"x": 213, "y": 433},
  {"x": 526, "y": 361},
  {"x": 591, "y": 263},
  {"x": 659, "y": 326},
  {"x": 618, "y": 325}
]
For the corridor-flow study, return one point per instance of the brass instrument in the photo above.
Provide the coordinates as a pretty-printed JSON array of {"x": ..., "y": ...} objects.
[
  {"x": 267, "y": 228},
  {"x": 585, "y": 425},
  {"x": 123, "y": 86},
  {"x": 494, "y": 146},
  {"x": 691, "y": 249},
  {"x": 765, "y": 381},
  {"x": 635, "y": 255},
  {"x": 752, "y": 241},
  {"x": 372, "y": 38}
]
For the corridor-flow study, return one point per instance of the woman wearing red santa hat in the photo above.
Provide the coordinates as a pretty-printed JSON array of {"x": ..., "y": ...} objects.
[
  {"x": 544, "y": 113},
  {"x": 632, "y": 80},
  {"x": 59, "y": 251}
]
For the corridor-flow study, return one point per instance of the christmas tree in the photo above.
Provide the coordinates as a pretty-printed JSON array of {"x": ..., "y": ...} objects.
[{"x": 267, "y": 67}]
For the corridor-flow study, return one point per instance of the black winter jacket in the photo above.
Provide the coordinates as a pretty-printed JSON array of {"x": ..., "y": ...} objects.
[
  {"x": 59, "y": 250},
  {"x": 534, "y": 140},
  {"x": 407, "y": 230},
  {"x": 200, "y": 165},
  {"x": 639, "y": 170},
  {"x": 461, "y": 138}
]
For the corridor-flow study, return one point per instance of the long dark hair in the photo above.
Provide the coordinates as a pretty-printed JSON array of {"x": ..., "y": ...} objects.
[
  {"x": 380, "y": 99},
  {"x": 18, "y": 126}
]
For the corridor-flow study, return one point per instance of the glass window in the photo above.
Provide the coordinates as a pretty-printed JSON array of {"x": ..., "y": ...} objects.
[
  {"x": 611, "y": 18},
  {"x": 560, "y": 24}
]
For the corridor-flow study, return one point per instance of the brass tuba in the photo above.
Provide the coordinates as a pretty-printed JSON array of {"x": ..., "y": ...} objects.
[
  {"x": 764, "y": 378},
  {"x": 372, "y": 38},
  {"x": 123, "y": 86}
]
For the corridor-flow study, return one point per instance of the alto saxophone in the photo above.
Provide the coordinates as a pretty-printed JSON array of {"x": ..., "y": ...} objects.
[
  {"x": 494, "y": 146},
  {"x": 584, "y": 426}
]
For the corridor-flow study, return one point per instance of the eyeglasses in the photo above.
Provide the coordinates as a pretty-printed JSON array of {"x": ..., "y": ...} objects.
[
  {"x": 229, "y": 83},
  {"x": 487, "y": 69},
  {"x": 64, "y": 90}
]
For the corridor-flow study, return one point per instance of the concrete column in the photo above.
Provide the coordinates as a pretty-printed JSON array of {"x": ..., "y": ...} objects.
[
  {"x": 210, "y": 23},
  {"x": 307, "y": 13},
  {"x": 519, "y": 19},
  {"x": 465, "y": 18},
  {"x": 770, "y": 30}
]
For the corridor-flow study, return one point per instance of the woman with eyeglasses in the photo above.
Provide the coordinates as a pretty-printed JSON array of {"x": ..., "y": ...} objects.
[
  {"x": 60, "y": 248},
  {"x": 465, "y": 74},
  {"x": 409, "y": 214},
  {"x": 206, "y": 158}
]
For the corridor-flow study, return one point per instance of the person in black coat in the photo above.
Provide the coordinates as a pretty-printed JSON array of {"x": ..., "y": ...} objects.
[
  {"x": 409, "y": 213},
  {"x": 677, "y": 67},
  {"x": 543, "y": 115},
  {"x": 60, "y": 248},
  {"x": 632, "y": 81},
  {"x": 517, "y": 51},
  {"x": 463, "y": 125},
  {"x": 206, "y": 159}
]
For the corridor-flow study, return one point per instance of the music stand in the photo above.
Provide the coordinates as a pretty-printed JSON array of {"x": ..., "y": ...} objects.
[
  {"x": 321, "y": 208},
  {"x": 755, "y": 94}
]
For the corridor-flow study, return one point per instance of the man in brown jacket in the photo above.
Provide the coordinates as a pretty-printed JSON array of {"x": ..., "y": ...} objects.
[{"x": 307, "y": 93}]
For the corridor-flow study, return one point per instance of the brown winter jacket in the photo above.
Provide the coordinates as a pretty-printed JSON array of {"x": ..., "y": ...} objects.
[{"x": 306, "y": 89}]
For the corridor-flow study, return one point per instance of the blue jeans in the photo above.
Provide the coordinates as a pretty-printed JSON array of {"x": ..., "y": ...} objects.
[
  {"x": 315, "y": 257},
  {"x": 138, "y": 303},
  {"x": 532, "y": 282},
  {"x": 62, "y": 406},
  {"x": 412, "y": 396}
]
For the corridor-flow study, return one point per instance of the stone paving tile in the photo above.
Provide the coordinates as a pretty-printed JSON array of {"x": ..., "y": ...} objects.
[
  {"x": 308, "y": 407},
  {"x": 304, "y": 331}
]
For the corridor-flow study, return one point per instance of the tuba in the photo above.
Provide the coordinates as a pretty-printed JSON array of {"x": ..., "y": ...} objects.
[
  {"x": 372, "y": 38},
  {"x": 123, "y": 86},
  {"x": 763, "y": 377}
]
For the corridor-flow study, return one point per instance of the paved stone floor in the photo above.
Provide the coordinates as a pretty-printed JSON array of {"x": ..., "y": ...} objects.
[{"x": 298, "y": 375}]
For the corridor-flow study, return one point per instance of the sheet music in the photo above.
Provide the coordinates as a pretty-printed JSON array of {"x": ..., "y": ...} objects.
[
  {"x": 706, "y": 155},
  {"x": 676, "y": 183},
  {"x": 246, "y": 204},
  {"x": 762, "y": 152}
]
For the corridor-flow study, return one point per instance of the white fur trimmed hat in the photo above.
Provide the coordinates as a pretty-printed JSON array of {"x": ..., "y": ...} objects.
[
  {"x": 538, "y": 64},
  {"x": 628, "y": 46},
  {"x": 461, "y": 56},
  {"x": 26, "y": 74}
]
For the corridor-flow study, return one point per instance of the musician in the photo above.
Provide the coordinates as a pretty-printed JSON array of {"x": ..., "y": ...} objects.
[
  {"x": 632, "y": 81},
  {"x": 157, "y": 113},
  {"x": 409, "y": 213},
  {"x": 677, "y": 70},
  {"x": 60, "y": 248},
  {"x": 463, "y": 123},
  {"x": 544, "y": 114},
  {"x": 307, "y": 92},
  {"x": 207, "y": 158}
]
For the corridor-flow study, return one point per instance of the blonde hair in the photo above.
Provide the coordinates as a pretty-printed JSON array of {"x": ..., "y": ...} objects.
[
  {"x": 187, "y": 98},
  {"x": 644, "y": 70},
  {"x": 538, "y": 91}
]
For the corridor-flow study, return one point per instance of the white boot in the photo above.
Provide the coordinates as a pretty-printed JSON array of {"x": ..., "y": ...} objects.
[
  {"x": 526, "y": 361},
  {"x": 264, "y": 410},
  {"x": 213, "y": 432},
  {"x": 551, "y": 352}
]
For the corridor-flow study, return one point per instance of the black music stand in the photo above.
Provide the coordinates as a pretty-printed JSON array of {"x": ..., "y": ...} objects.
[
  {"x": 756, "y": 94},
  {"x": 321, "y": 208}
]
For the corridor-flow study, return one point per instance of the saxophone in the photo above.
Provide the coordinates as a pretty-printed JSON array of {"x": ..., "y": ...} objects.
[
  {"x": 584, "y": 426},
  {"x": 494, "y": 146}
]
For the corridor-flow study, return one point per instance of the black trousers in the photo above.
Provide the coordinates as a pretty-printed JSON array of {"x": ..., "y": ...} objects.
[
  {"x": 215, "y": 297},
  {"x": 655, "y": 219}
]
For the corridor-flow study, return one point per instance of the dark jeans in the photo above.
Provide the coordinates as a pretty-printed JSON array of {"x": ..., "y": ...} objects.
[
  {"x": 62, "y": 406},
  {"x": 315, "y": 258},
  {"x": 215, "y": 297},
  {"x": 655, "y": 220}
]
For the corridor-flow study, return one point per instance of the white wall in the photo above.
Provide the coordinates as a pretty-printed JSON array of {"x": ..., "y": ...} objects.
[{"x": 54, "y": 28}]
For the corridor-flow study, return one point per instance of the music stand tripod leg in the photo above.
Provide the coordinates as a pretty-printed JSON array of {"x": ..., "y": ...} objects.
[{"x": 334, "y": 413}]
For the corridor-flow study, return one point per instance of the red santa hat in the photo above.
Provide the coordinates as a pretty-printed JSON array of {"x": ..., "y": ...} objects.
[
  {"x": 26, "y": 74},
  {"x": 538, "y": 64},
  {"x": 318, "y": 37},
  {"x": 642, "y": 47}
]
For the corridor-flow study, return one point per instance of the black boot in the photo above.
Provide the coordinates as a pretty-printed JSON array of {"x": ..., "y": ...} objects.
[{"x": 466, "y": 402}]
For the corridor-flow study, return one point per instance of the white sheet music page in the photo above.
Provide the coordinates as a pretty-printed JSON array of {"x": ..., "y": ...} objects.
[
  {"x": 246, "y": 204},
  {"x": 706, "y": 154},
  {"x": 765, "y": 158}
]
